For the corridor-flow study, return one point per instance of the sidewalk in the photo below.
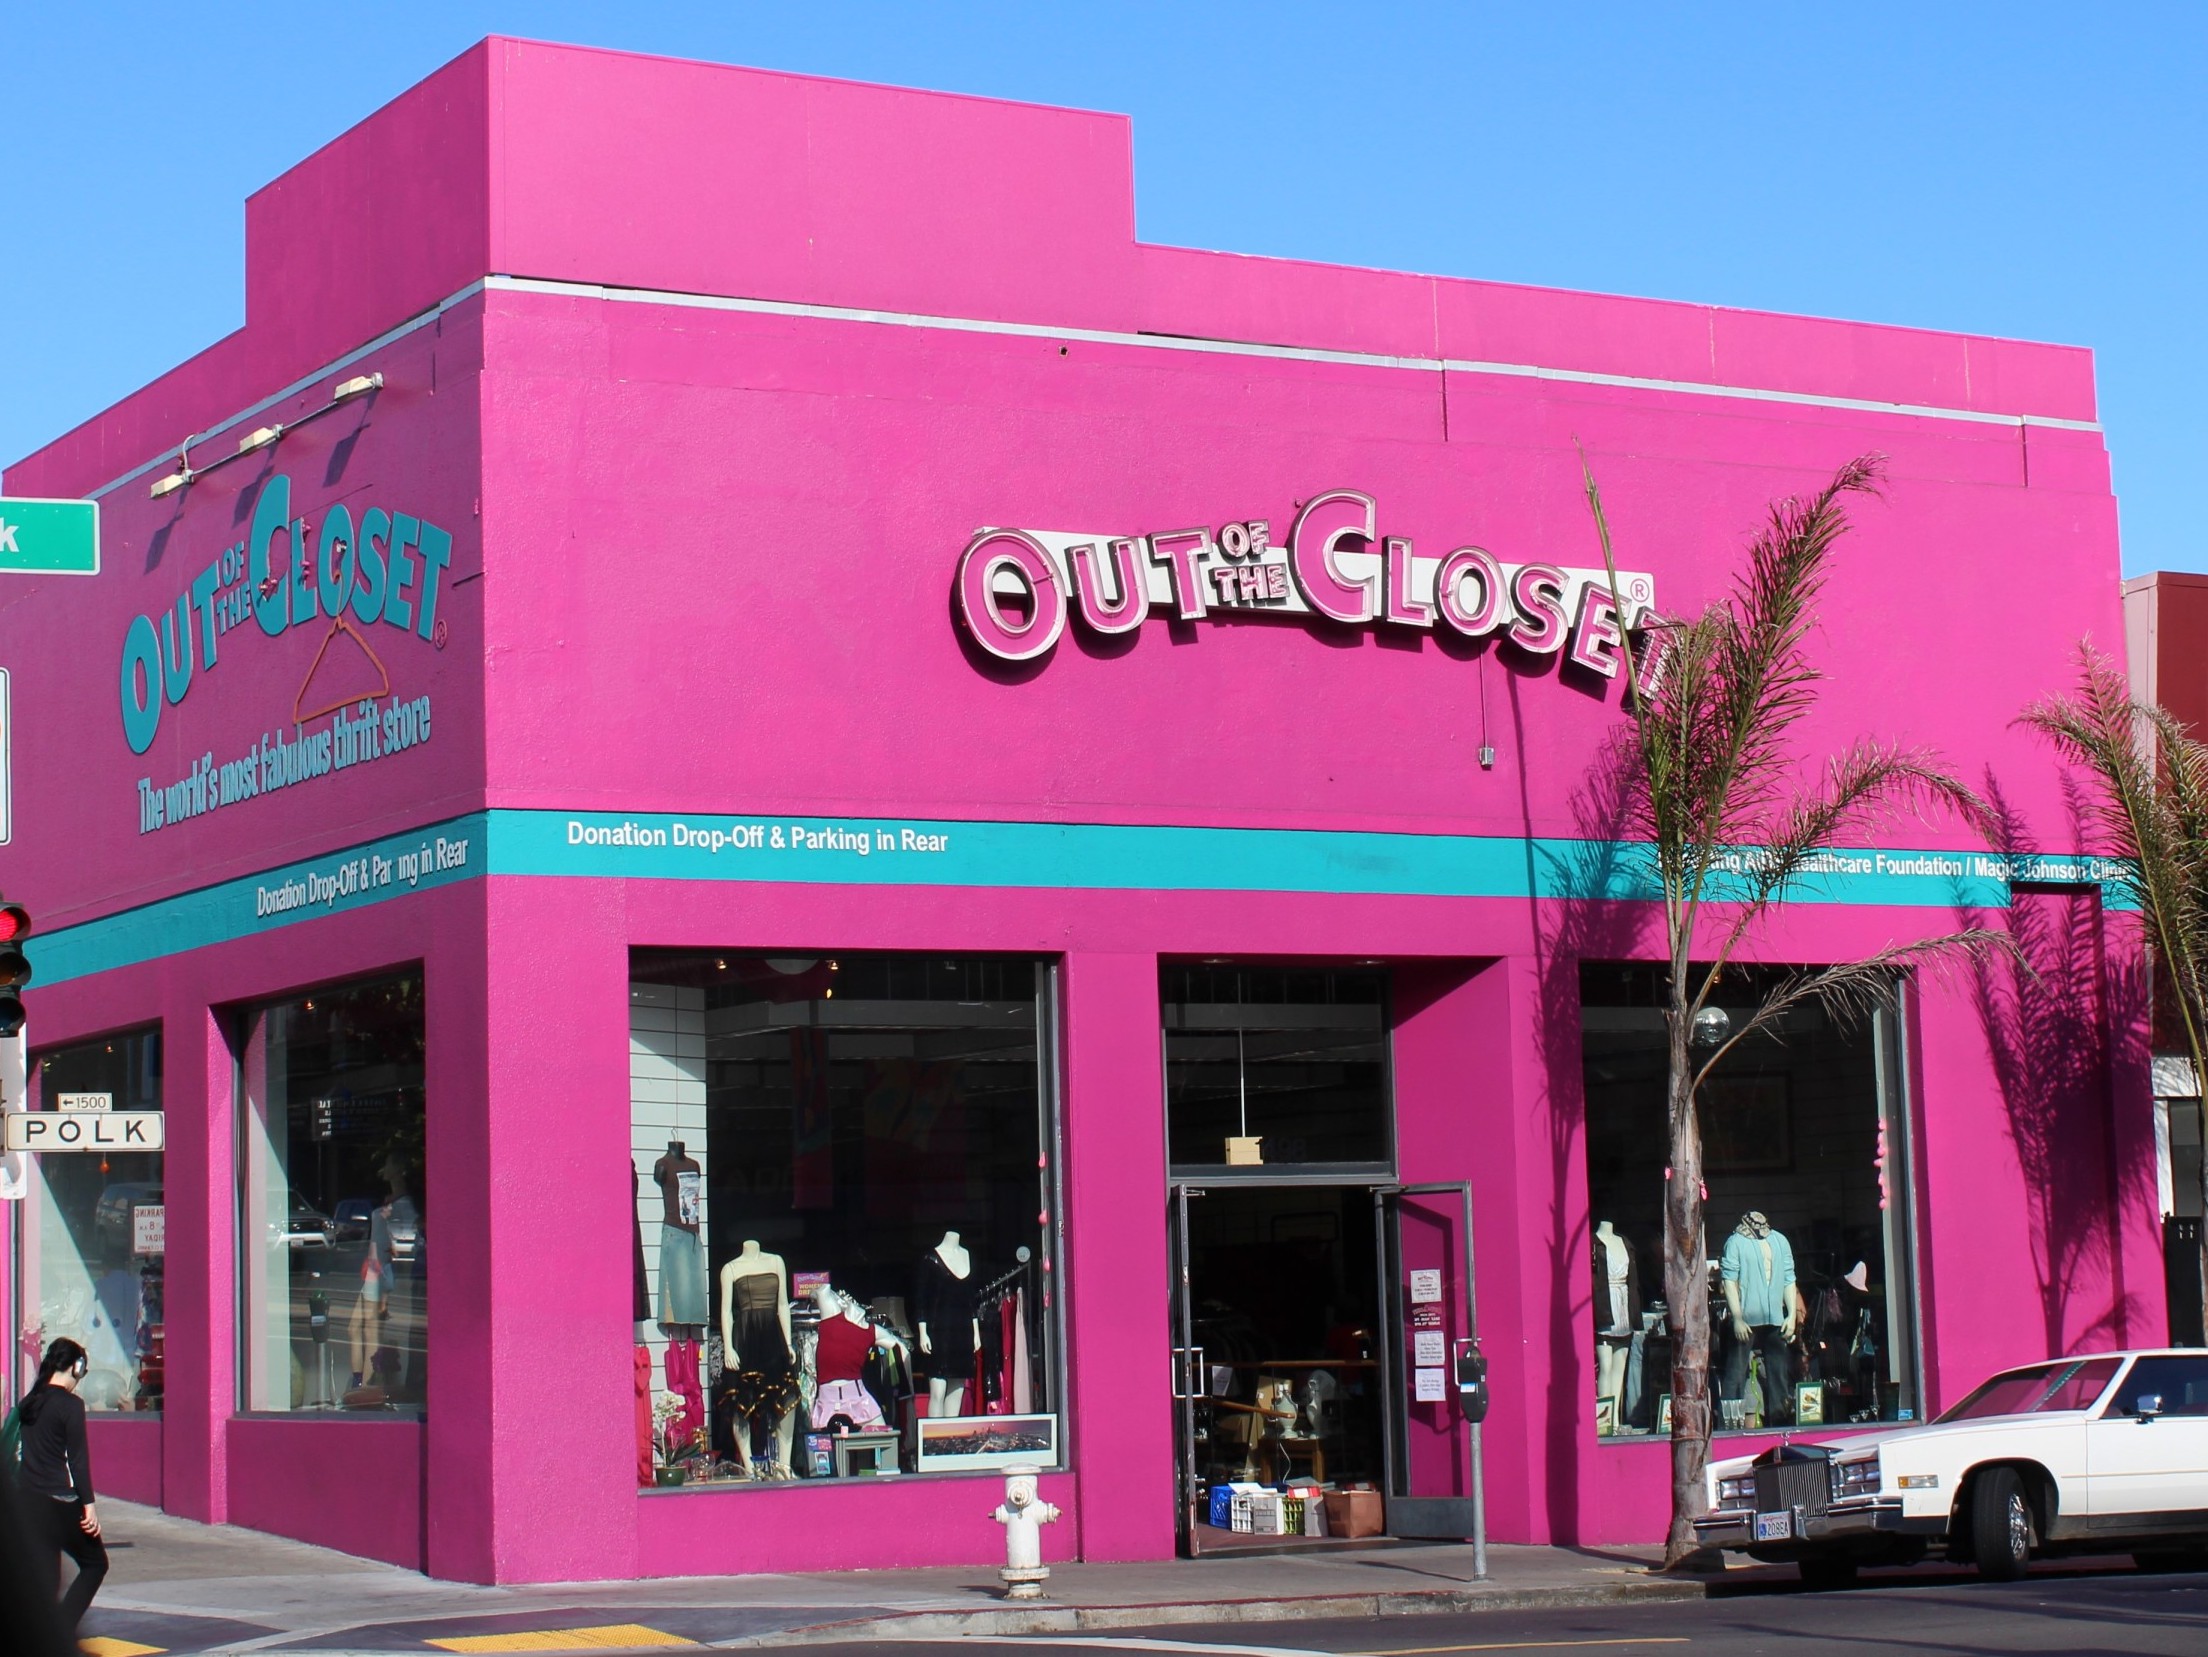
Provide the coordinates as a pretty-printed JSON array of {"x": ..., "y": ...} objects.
[{"x": 182, "y": 1587}]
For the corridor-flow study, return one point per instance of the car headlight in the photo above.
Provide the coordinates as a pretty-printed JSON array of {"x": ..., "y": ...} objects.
[
  {"x": 1737, "y": 1491},
  {"x": 1857, "y": 1478}
]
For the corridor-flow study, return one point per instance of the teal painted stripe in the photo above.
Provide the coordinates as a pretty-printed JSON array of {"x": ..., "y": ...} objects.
[
  {"x": 332, "y": 884},
  {"x": 907, "y": 852}
]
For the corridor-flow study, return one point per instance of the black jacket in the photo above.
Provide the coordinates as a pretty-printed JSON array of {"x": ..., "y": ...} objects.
[{"x": 57, "y": 1461}]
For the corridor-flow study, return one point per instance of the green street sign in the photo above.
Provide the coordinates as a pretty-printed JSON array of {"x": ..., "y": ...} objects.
[{"x": 49, "y": 537}]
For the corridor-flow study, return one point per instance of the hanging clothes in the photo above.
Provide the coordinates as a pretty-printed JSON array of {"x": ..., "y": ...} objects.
[
  {"x": 1023, "y": 1368},
  {"x": 682, "y": 1381}
]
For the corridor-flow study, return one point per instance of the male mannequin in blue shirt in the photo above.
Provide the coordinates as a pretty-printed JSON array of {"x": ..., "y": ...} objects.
[{"x": 1758, "y": 1273}]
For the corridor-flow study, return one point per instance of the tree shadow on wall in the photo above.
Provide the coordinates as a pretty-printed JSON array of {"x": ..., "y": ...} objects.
[
  {"x": 1580, "y": 912},
  {"x": 2053, "y": 1013}
]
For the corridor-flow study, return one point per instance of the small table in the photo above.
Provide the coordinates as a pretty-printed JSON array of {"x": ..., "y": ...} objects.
[{"x": 870, "y": 1444}]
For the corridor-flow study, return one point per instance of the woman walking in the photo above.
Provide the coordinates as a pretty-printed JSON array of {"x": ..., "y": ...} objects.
[{"x": 57, "y": 1474}]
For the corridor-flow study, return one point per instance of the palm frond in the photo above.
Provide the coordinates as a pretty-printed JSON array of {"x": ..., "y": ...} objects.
[{"x": 1851, "y": 990}]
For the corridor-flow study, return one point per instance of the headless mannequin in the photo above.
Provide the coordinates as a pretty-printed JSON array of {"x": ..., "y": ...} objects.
[
  {"x": 1614, "y": 1346},
  {"x": 945, "y": 1396},
  {"x": 752, "y": 1261},
  {"x": 364, "y": 1325}
]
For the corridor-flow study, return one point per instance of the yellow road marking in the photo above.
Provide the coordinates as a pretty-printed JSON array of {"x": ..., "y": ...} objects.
[
  {"x": 619, "y": 1636},
  {"x": 1518, "y": 1645},
  {"x": 100, "y": 1645}
]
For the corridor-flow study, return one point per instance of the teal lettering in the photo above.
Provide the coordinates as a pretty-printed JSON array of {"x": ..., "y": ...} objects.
[
  {"x": 375, "y": 527},
  {"x": 203, "y": 600},
  {"x": 176, "y": 650},
  {"x": 405, "y": 532},
  {"x": 334, "y": 575},
  {"x": 436, "y": 556},
  {"x": 271, "y": 591},
  {"x": 141, "y": 664},
  {"x": 302, "y": 571}
]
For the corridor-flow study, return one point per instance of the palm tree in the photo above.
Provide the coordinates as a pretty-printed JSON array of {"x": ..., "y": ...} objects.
[
  {"x": 2151, "y": 805},
  {"x": 1733, "y": 828}
]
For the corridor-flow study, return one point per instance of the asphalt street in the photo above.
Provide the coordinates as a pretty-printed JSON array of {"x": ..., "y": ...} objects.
[{"x": 2084, "y": 1615}]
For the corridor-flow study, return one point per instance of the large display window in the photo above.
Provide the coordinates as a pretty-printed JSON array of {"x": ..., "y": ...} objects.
[
  {"x": 1805, "y": 1145},
  {"x": 334, "y": 1233},
  {"x": 846, "y": 1178},
  {"x": 1267, "y": 1067},
  {"x": 90, "y": 1232}
]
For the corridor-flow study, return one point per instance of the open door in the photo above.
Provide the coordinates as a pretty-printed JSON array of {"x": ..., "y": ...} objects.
[
  {"x": 1188, "y": 1376},
  {"x": 1433, "y": 1365}
]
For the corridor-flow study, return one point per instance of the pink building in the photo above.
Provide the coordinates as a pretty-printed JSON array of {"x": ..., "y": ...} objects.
[{"x": 731, "y": 652}]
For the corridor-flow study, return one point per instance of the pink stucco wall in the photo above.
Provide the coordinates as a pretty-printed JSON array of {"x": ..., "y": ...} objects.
[{"x": 700, "y": 562}]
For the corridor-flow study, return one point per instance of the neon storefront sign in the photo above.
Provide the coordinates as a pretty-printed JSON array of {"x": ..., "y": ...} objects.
[{"x": 1016, "y": 590}]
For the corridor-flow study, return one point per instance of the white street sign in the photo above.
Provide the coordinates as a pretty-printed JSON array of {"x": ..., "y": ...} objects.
[
  {"x": 84, "y": 1101},
  {"x": 61, "y": 1130}
]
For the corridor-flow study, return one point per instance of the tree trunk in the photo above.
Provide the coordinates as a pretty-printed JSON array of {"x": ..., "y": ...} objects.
[{"x": 1687, "y": 1297}]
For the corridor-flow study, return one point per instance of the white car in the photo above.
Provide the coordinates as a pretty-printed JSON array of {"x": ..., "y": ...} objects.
[{"x": 2099, "y": 1454}]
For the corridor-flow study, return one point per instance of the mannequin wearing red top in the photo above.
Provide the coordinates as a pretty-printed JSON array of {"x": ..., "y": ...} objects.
[{"x": 839, "y": 1360}]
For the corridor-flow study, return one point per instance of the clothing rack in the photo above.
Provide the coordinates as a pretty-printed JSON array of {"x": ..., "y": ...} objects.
[{"x": 1005, "y": 1281}]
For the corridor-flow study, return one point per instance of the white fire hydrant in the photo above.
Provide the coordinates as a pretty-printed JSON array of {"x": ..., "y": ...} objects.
[{"x": 1023, "y": 1515}]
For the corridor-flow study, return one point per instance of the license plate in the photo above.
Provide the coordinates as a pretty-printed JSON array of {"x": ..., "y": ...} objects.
[{"x": 1774, "y": 1527}]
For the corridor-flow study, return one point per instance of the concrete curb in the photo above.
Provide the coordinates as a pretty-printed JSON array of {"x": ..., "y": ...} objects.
[{"x": 1077, "y": 1619}]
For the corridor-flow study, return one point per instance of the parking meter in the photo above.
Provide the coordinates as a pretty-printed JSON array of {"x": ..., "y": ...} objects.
[{"x": 1472, "y": 1396}]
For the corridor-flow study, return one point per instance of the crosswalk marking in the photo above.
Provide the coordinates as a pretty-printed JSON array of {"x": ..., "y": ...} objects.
[{"x": 620, "y": 1636}]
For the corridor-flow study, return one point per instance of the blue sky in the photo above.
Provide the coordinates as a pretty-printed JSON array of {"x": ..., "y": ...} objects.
[{"x": 2021, "y": 169}]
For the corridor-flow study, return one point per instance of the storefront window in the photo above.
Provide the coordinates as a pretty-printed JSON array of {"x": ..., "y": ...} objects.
[
  {"x": 334, "y": 1244},
  {"x": 1805, "y": 1154},
  {"x": 90, "y": 1233},
  {"x": 846, "y": 1199},
  {"x": 1266, "y": 1066}
]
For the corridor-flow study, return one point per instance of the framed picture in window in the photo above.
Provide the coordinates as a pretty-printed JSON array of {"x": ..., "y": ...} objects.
[
  {"x": 1809, "y": 1403},
  {"x": 1606, "y": 1416},
  {"x": 1747, "y": 1125},
  {"x": 966, "y": 1442}
]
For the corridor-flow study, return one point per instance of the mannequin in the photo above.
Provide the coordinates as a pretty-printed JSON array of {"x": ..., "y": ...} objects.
[
  {"x": 755, "y": 1347},
  {"x": 1760, "y": 1302},
  {"x": 1617, "y": 1310},
  {"x": 379, "y": 1274},
  {"x": 681, "y": 1185},
  {"x": 839, "y": 1361},
  {"x": 949, "y": 1324}
]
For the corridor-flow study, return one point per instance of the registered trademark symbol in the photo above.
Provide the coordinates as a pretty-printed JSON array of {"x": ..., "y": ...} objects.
[{"x": 442, "y": 633}]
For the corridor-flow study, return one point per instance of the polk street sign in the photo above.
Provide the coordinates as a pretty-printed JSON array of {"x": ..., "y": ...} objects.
[
  {"x": 84, "y": 1130},
  {"x": 49, "y": 537}
]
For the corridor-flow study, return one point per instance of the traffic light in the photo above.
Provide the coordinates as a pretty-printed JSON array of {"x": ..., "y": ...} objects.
[{"x": 15, "y": 968}]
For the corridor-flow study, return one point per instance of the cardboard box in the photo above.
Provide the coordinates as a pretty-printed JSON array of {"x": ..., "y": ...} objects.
[{"x": 1354, "y": 1513}]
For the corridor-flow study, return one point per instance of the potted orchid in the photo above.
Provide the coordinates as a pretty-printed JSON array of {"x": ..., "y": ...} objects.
[{"x": 666, "y": 1411}]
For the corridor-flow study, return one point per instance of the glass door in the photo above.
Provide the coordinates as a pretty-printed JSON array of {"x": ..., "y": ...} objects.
[
  {"x": 1188, "y": 1378},
  {"x": 1431, "y": 1342}
]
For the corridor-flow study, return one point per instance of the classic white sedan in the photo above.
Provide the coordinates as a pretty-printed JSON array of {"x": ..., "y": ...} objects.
[{"x": 2099, "y": 1454}]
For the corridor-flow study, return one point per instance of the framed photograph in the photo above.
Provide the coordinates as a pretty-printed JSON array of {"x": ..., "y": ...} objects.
[
  {"x": 979, "y": 1441},
  {"x": 1663, "y": 1415},
  {"x": 1747, "y": 1125},
  {"x": 1606, "y": 1416},
  {"x": 1809, "y": 1403}
]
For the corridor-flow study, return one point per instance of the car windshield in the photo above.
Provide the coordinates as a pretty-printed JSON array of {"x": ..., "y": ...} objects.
[{"x": 2071, "y": 1384}]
